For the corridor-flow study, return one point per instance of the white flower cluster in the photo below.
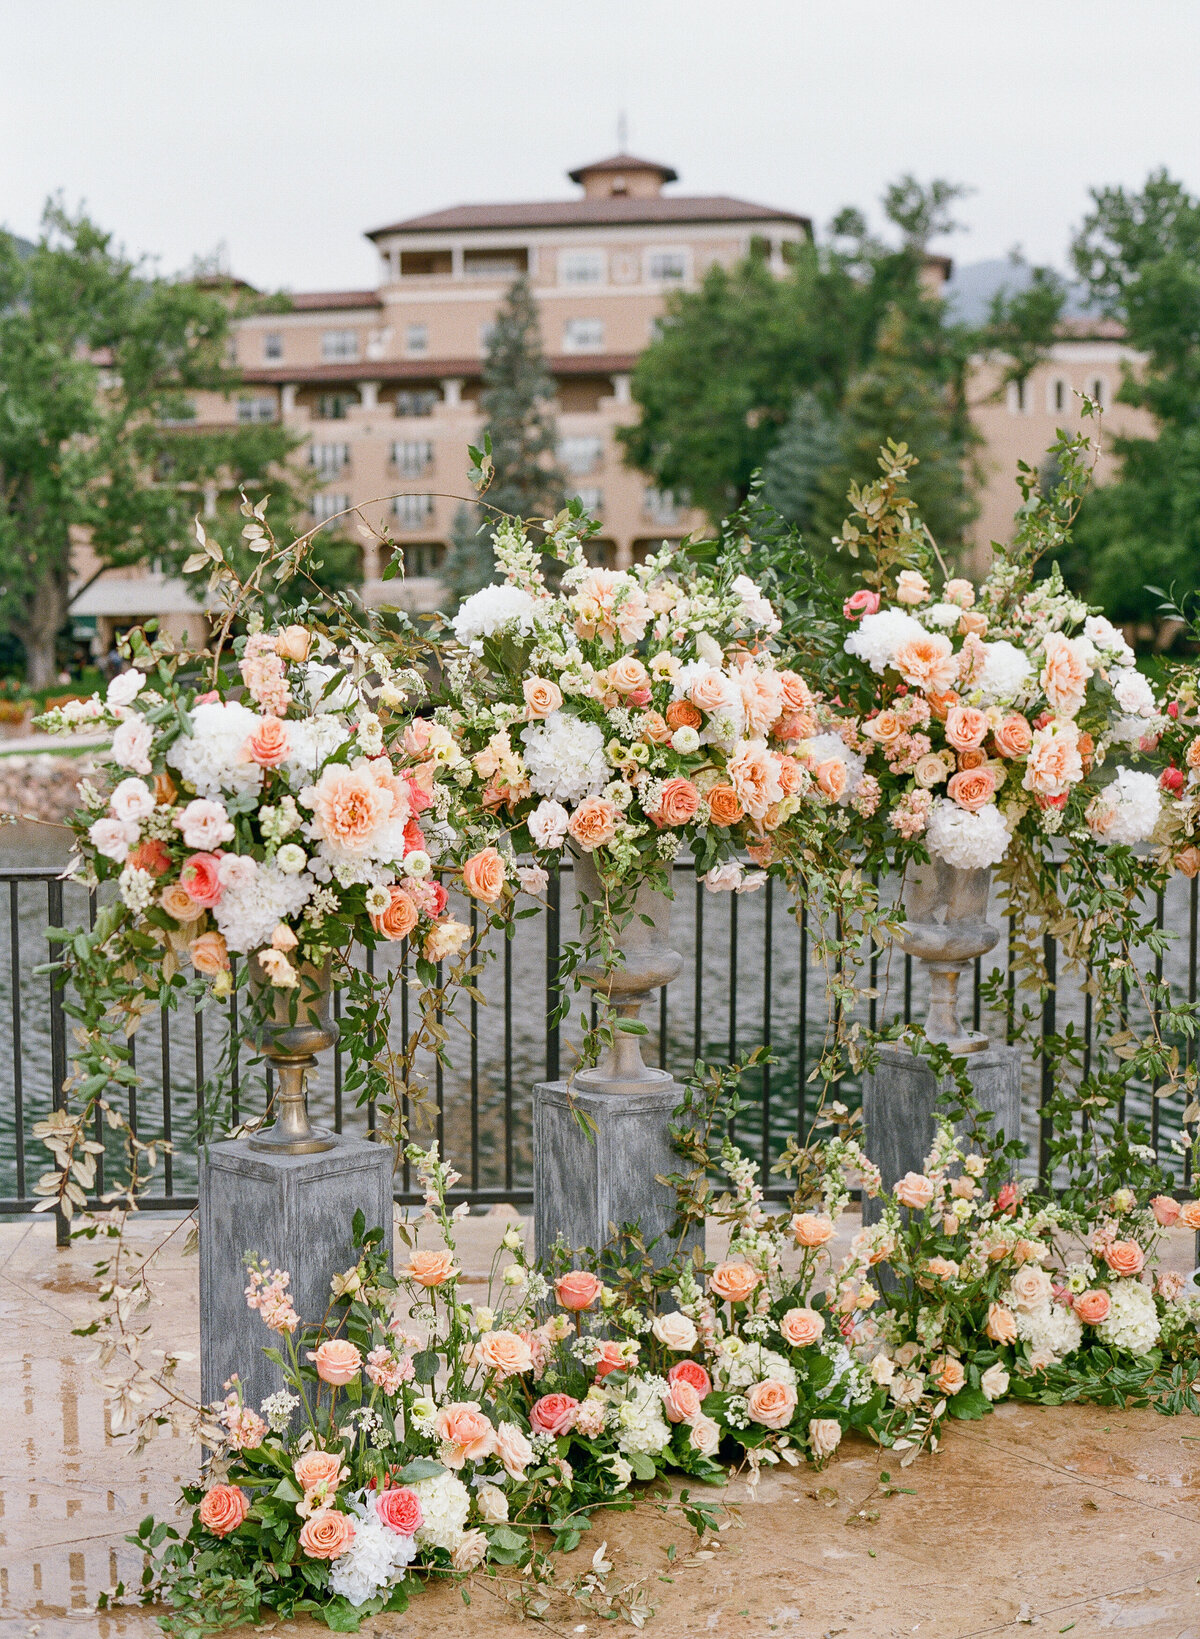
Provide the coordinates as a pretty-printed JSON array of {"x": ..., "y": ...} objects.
[
  {"x": 1050, "y": 1329},
  {"x": 1006, "y": 671},
  {"x": 1137, "y": 802},
  {"x": 1132, "y": 1321},
  {"x": 375, "y": 1559},
  {"x": 210, "y": 758},
  {"x": 250, "y": 910},
  {"x": 640, "y": 1422},
  {"x": 879, "y": 636},
  {"x": 489, "y": 611},
  {"x": 739, "y": 1367},
  {"x": 968, "y": 841},
  {"x": 564, "y": 757},
  {"x": 445, "y": 1504}
]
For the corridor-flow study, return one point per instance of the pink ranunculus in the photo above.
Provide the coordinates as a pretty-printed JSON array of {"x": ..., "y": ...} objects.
[
  {"x": 399, "y": 1508},
  {"x": 1093, "y": 1306},
  {"x": 200, "y": 878},
  {"x": 555, "y": 1413},
  {"x": 577, "y": 1290},
  {"x": 691, "y": 1371},
  {"x": 338, "y": 1362},
  {"x": 860, "y": 603}
]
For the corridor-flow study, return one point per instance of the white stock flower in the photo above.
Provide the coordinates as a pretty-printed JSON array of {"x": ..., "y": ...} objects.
[{"x": 968, "y": 841}]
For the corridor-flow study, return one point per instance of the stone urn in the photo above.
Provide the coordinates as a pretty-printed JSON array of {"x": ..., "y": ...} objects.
[
  {"x": 647, "y": 962},
  {"x": 946, "y": 927},
  {"x": 291, "y": 1027}
]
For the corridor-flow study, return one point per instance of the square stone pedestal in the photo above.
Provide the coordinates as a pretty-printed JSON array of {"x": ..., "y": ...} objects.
[
  {"x": 900, "y": 1107},
  {"x": 297, "y": 1212},
  {"x": 588, "y": 1183}
]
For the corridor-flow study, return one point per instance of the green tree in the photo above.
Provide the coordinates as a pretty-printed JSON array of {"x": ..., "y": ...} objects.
[
  {"x": 469, "y": 563},
  {"x": 809, "y": 443},
  {"x": 99, "y": 358},
  {"x": 1138, "y": 252}
]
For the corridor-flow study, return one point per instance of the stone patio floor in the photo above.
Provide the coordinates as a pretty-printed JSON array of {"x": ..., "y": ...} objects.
[{"x": 1071, "y": 1520}]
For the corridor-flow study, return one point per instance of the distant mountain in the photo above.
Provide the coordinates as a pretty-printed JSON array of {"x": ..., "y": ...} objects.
[{"x": 970, "y": 289}]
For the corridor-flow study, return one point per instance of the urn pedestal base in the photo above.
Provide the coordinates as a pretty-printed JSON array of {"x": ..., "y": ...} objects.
[
  {"x": 900, "y": 1107},
  {"x": 585, "y": 1182},
  {"x": 296, "y": 1211}
]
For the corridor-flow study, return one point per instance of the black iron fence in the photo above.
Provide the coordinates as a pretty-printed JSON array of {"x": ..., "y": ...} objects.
[{"x": 750, "y": 976}]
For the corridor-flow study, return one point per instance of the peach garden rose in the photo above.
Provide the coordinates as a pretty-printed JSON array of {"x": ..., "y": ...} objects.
[
  {"x": 338, "y": 1362},
  {"x": 430, "y": 1268},
  {"x": 223, "y": 1508},
  {"x": 327, "y": 1534},
  {"x": 734, "y": 1282},
  {"x": 771, "y": 1403}
]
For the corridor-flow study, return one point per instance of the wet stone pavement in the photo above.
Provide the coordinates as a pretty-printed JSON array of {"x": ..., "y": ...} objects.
[{"x": 1070, "y": 1520}]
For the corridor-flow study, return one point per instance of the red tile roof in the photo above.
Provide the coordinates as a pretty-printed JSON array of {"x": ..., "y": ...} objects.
[{"x": 582, "y": 213}]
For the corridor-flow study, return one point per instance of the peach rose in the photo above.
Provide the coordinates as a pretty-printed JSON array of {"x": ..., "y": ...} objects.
[
  {"x": 927, "y": 663},
  {"x": 723, "y": 805},
  {"x": 326, "y": 1534},
  {"x": 208, "y": 954},
  {"x": 349, "y": 806},
  {"x": 733, "y": 1281},
  {"x": 915, "y": 1191},
  {"x": 947, "y": 1373},
  {"x": 483, "y": 876},
  {"x": 1165, "y": 1209},
  {"x": 813, "y": 1229},
  {"x": 178, "y": 902},
  {"x": 505, "y": 1353},
  {"x": 1001, "y": 1324},
  {"x": 655, "y": 728},
  {"x": 972, "y": 788},
  {"x": 675, "y": 1332},
  {"x": 292, "y": 643},
  {"x": 400, "y": 917},
  {"x": 317, "y": 1468},
  {"x": 1189, "y": 1215},
  {"x": 797, "y": 696},
  {"x": 911, "y": 587},
  {"x": 831, "y": 777},
  {"x": 628, "y": 675},
  {"x": 1014, "y": 736},
  {"x": 972, "y": 759},
  {"x": 705, "y": 1436},
  {"x": 577, "y": 1290},
  {"x": 200, "y": 877},
  {"x": 1031, "y": 1287},
  {"x": 1064, "y": 675},
  {"x": 514, "y": 1450},
  {"x": 1054, "y": 764},
  {"x": 554, "y": 1414},
  {"x": 223, "y": 1508},
  {"x": 711, "y": 690},
  {"x": 541, "y": 696},
  {"x": 268, "y": 745},
  {"x": 754, "y": 775},
  {"x": 594, "y": 823},
  {"x": 771, "y": 1403},
  {"x": 966, "y": 727},
  {"x": 802, "y": 1327},
  {"x": 930, "y": 770},
  {"x": 430, "y": 1269},
  {"x": 960, "y": 592},
  {"x": 973, "y": 623},
  {"x": 466, "y": 1431},
  {"x": 683, "y": 714},
  {"x": 677, "y": 802},
  {"x": 338, "y": 1362},
  {"x": 1093, "y": 1306},
  {"x": 1124, "y": 1257},
  {"x": 883, "y": 728},
  {"x": 824, "y": 1437},
  {"x": 681, "y": 1402}
]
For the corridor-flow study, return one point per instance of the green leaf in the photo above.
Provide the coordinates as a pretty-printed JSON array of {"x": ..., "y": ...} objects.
[
  {"x": 421, "y": 1468},
  {"x": 425, "y": 1365}
]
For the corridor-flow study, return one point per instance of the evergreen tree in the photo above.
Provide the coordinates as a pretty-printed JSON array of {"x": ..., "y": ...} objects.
[
  {"x": 810, "y": 442},
  {"x": 469, "y": 563}
]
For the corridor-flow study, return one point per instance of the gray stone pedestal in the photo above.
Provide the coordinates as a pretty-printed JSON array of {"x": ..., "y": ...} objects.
[
  {"x": 586, "y": 1183},
  {"x": 296, "y": 1211},
  {"x": 900, "y": 1107}
]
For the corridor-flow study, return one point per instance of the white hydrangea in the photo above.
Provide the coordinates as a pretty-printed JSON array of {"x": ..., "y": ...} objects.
[
  {"x": 640, "y": 1423},
  {"x": 210, "y": 757},
  {"x": 878, "y": 637},
  {"x": 375, "y": 1559},
  {"x": 738, "y": 1367},
  {"x": 1132, "y": 1322},
  {"x": 944, "y": 616},
  {"x": 317, "y": 679},
  {"x": 967, "y": 841},
  {"x": 247, "y": 914},
  {"x": 486, "y": 612},
  {"x": 1138, "y": 803},
  {"x": 311, "y": 741},
  {"x": 445, "y": 1505},
  {"x": 1132, "y": 692},
  {"x": 1006, "y": 670},
  {"x": 564, "y": 757},
  {"x": 1051, "y": 1328}
]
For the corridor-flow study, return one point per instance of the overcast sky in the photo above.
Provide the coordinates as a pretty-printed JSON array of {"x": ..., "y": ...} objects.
[{"x": 284, "y": 128}]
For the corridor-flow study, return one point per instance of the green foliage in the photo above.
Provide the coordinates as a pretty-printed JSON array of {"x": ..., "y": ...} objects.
[{"x": 809, "y": 443}]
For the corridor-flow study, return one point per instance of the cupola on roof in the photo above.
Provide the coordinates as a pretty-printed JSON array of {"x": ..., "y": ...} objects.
[{"x": 624, "y": 175}]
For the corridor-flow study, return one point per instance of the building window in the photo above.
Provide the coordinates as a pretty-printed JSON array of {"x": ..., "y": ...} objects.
[
  {"x": 329, "y": 459},
  {"x": 661, "y": 505},
  {"x": 259, "y": 408},
  {"x": 425, "y": 264},
  {"x": 495, "y": 264},
  {"x": 326, "y": 506},
  {"x": 582, "y": 267},
  {"x": 335, "y": 406},
  {"x": 412, "y": 511},
  {"x": 424, "y": 558},
  {"x": 591, "y": 498},
  {"x": 1018, "y": 398},
  {"x": 416, "y": 340},
  {"x": 273, "y": 344},
  {"x": 339, "y": 344},
  {"x": 583, "y": 335},
  {"x": 412, "y": 457},
  {"x": 580, "y": 455},
  {"x": 666, "y": 267},
  {"x": 1099, "y": 391},
  {"x": 1058, "y": 395},
  {"x": 415, "y": 402}
]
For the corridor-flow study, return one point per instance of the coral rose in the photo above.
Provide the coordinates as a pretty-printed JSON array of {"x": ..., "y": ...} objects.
[
  {"x": 178, "y": 902},
  {"x": 681, "y": 1403},
  {"x": 430, "y": 1268},
  {"x": 813, "y": 1229},
  {"x": 152, "y": 856},
  {"x": 1124, "y": 1257},
  {"x": 268, "y": 745},
  {"x": 723, "y": 805},
  {"x": 541, "y": 696},
  {"x": 594, "y": 823},
  {"x": 802, "y": 1327},
  {"x": 734, "y": 1282},
  {"x": 771, "y": 1403},
  {"x": 399, "y": 1508},
  {"x": 292, "y": 643},
  {"x": 915, "y": 1191},
  {"x": 691, "y": 1371},
  {"x": 505, "y": 1353},
  {"x": 318, "y": 1468},
  {"x": 1014, "y": 736},
  {"x": 683, "y": 714},
  {"x": 466, "y": 1433},
  {"x": 208, "y": 954},
  {"x": 326, "y": 1534},
  {"x": 611, "y": 1359},
  {"x": 972, "y": 788},
  {"x": 338, "y": 1362},
  {"x": 400, "y": 917},
  {"x": 577, "y": 1290},
  {"x": 1093, "y": 1306},
  {"x": 966, "y": 727},
  {"x": 223, "y": 1508},
  {"x": 831, "y": 778},
  {"x": 199, "y": 876},
  {"x": 861, "y": 603},
  {"x": 483, "y": 876},
  {"x": 1001, "y": 1324},
  {"x": 948, "y": 1373},
  {"x": 554, "y": 1414},
  {"x": 678, "y": 801},
  {"x": 1165, "y": 1209},
  {"x": 927, "y": 663}
]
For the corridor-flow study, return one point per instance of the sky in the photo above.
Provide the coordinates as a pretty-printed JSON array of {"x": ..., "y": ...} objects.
[{"x": 280, "y": 130}]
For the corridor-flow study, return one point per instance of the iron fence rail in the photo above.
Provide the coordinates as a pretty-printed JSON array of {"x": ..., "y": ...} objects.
[{"x": 750, "y": 977}]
